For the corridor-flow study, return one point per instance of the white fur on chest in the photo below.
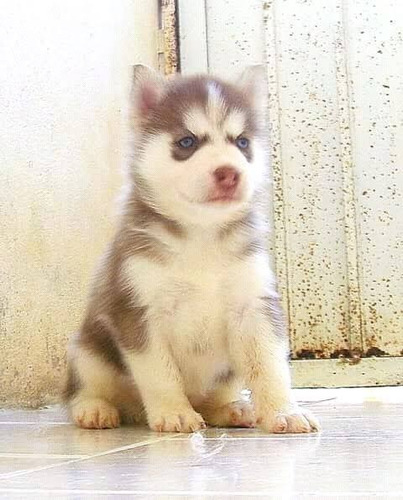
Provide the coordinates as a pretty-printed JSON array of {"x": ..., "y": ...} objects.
[
  {"x": 186, "y": 293},
  {"x": 190, "y": 300}
]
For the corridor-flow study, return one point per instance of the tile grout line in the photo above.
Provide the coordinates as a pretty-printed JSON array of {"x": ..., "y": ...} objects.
[{"x": 9, "y": 475}]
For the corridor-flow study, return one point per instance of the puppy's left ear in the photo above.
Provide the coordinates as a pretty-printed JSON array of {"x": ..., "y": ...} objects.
[{"x": 253, "y": 82}]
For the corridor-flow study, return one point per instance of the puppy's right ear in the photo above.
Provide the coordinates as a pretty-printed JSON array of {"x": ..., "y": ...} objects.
[{"x": 146, "y": 91}]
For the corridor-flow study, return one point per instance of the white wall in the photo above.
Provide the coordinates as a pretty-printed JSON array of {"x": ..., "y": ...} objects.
[{"x": 63, "y": 84}]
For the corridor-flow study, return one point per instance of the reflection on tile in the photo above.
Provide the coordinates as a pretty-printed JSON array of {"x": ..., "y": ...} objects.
[
  {"x": 54, "y": 414},
  {"x": 66, "y": 439},
  {"x": 9, "y": 464},
  {"x": 281, "y": 466},
  {"x": 359, "y": 454}
]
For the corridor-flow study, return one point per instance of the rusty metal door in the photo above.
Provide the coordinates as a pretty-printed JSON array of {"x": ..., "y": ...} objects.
[{"x": 335, "y": 102}]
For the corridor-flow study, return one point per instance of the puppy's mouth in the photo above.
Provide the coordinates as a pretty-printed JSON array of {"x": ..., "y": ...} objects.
[
  {"x": 216, "y": 198},
  {"x": 228, "y": 195},
  {"x": 223, "y": 198}
]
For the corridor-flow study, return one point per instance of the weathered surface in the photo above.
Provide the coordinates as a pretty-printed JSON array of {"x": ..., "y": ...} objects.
[
  {"x": 336, "y": 95},
  {"x": 169, "y": 35},
  {"x": 63, "y": 85}
]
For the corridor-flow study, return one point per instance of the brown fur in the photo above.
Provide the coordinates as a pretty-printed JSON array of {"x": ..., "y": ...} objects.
[
  {"x": 181, "y": 154},
  {"x": 72, "y": 385},
  {"x": 139, "y": 213},
  {"x": 97, "y": 336},
  {"x": 113, "y": 320},
  {"x": 187, "y": 93},
  {"x": 253, "y": 245},
  {"x": 226, "y": 377}
]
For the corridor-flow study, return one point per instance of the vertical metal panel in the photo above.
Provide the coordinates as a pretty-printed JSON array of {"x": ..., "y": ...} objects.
[
  {"x": 375, "y": 52},
  {"x": 308, "y": 159},
  {"x": 349, "y": 194},
  {"x": 278, "y": 241}
]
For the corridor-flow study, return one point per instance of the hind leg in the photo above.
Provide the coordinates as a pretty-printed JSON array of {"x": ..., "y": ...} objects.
[
  {"x": 227, "y": 407},
  {"x": 100, "y": 396}
]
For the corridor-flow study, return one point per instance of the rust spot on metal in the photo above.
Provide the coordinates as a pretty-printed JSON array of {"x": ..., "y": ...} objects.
[
  {"x": 375, "y": 351},
  {"x": 352, "y": 357},
  {"x": 310, "y": 354},
  {"x": 305, "y": 354},
  {"x": 340, "y": 353}
]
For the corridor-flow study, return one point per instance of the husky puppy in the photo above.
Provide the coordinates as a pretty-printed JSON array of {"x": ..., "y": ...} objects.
[{"x": 184, "y": 313}]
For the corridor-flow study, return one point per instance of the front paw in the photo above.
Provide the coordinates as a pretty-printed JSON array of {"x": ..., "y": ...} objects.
[
  {"x": 95, "y": 414},
  {"x": 296, "y": 421},
  {"x": 176, "y": 421}
]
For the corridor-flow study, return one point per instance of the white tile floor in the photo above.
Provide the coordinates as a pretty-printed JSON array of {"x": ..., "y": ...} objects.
[{"x": 359, "y": 455}]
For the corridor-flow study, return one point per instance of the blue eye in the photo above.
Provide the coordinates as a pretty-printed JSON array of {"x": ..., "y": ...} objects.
[
  {"x": 186, "y": 142},
  {"x": 242, "y": 142}
]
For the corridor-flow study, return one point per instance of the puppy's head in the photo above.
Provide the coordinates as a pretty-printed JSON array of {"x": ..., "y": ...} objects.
[{"x": 198, "y": 147}]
